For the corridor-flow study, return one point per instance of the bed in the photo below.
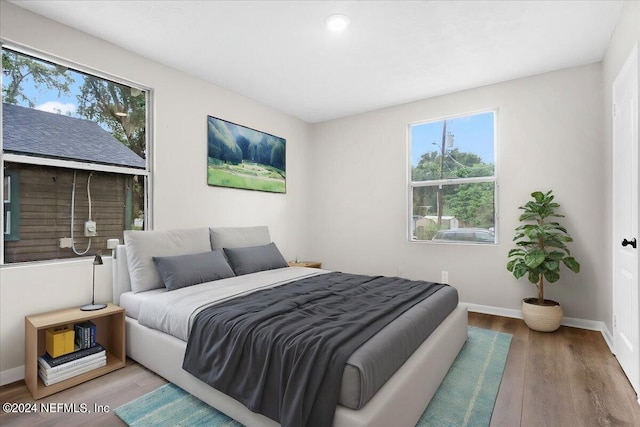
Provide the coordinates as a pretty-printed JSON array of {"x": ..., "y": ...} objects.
[{"x": 157, "y": 330}]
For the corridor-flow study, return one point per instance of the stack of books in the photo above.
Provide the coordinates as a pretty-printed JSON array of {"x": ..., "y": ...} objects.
[
  {"x": 88, "y": 355},
  {"x": 85, "y": 334}
]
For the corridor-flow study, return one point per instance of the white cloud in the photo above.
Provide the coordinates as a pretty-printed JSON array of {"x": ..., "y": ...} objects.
[{"x": 67, "y": 109}]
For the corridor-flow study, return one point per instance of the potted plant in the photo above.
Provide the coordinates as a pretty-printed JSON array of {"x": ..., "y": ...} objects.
[{"x": 542, "y": 248}]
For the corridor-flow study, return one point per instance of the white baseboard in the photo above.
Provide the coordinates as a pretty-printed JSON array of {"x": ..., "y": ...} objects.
[
  {"x": 11, "y": 375},
  {"x": 592, "y": 325},
  {"x": 496, "y": 311}
]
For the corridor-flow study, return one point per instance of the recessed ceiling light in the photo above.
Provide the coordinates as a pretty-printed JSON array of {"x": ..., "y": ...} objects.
[{"x": 337, "y": 23}]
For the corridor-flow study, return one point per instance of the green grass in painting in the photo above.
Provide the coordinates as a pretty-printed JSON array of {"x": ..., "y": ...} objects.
[{"x": 246, "y": 175}]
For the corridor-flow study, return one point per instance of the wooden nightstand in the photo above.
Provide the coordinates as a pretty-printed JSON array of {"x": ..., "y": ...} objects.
[
  {"x": 109, "y": 333},
  {"x": 310, "y": 264}
]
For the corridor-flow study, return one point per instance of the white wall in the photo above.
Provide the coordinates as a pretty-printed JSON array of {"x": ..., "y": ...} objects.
[
  {"x": 626, "y": 35},
  {"x": 346, "y": 201},
  {"x": 550, "y": 136},
  {"x": 181, "y": 195}
]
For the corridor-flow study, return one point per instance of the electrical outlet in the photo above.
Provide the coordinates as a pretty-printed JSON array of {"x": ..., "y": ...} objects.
[
  {"x": 90, "y": 229},
  {"x": 65, "y": 242},
  {"x": 445, "y": 277}
]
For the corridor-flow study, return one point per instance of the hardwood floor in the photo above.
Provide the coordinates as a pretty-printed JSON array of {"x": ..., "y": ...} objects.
[
  {"x": 566, "y": 378},
  {"x": 111, "y": 390}
]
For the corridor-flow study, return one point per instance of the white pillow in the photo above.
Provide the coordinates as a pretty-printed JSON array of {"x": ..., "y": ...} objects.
[
  {"x": 142, "y": 246},
  {"x": 239, "y": 237}
]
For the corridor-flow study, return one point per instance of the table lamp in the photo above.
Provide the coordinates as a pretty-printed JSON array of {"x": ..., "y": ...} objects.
[{"x": 93, "y": 306}]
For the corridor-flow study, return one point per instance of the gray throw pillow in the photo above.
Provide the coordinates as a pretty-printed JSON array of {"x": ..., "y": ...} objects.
[
  {"x": 186, "y": 270},
  {"x": 255, "y": 258}
]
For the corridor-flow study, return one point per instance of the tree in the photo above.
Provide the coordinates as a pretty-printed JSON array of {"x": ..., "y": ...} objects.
[
  {"x": 264, "y": 151},
  {"x": 221, "y": 143},
  {"x": 278, "y": 156},
  {"x": 17, "y": 68},
  {"x": 456, "y": 164},
  {"x": 472, "y": 204},
  {"x": 243, "y": 143},
  {"x": 120, "y": 108}
]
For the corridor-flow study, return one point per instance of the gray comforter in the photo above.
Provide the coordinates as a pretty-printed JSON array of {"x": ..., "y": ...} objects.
[{"x": 282, "y": 351}]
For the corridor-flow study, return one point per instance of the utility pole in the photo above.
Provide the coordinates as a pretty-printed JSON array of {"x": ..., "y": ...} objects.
[{"x": 440, "y": 189}]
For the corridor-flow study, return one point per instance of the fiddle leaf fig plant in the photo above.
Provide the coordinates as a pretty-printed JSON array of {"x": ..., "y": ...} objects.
[{"x": 542, "y": 244}]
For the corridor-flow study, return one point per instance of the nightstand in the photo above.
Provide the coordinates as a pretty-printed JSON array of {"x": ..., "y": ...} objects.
[
  {"x": 109, "y": 333},
  {"x": 310, "y": 264}
]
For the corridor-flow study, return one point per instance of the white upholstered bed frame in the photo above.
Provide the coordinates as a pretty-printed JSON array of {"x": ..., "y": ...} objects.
[{"x": 400, "y": 402}]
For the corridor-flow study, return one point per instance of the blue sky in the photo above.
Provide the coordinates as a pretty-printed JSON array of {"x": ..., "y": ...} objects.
[
  {"x": 474, "y": 133},
  {"x": 50, "y": 100}
]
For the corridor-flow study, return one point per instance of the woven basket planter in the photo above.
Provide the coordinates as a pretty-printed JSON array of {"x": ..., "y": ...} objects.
[{"x": 542, "y": 318}]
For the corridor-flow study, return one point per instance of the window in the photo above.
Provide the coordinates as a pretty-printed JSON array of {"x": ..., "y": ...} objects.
[
  {"x": 11, "y": 199},
  {"x": 74, "y": 159},
  {"x": 453, "y": 181}
]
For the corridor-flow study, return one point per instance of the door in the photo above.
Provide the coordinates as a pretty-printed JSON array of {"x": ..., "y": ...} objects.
[{"x": 626, "y": 324}]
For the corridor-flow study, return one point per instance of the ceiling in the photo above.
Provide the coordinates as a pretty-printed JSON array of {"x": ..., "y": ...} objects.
[{"x": 280, "y": 54}]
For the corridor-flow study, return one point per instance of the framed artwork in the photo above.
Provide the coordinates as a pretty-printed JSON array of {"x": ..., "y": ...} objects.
[{"x": 241, "y": 157}]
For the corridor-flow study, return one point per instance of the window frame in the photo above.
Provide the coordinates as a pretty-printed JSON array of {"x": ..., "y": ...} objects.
[
  {"x": 411, "y": 185},
  {"x": 147, "y": 172}
]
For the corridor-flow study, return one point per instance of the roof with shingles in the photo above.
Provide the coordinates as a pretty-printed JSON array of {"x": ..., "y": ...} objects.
[{"x": 42, "y": 134}]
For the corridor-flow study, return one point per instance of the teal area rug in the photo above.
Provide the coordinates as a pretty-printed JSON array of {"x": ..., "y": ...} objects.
[
  {"x": 170, "y": 406},
  {"x": 468, "y": 392},
  {"x": 465, "y": 397}
]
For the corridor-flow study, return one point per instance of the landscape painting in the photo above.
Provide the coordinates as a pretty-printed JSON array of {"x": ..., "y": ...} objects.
[{"x": 240, "y": 157}]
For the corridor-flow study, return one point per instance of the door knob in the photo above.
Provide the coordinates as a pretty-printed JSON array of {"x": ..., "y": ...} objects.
[{"x": 631, "y": 242}]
